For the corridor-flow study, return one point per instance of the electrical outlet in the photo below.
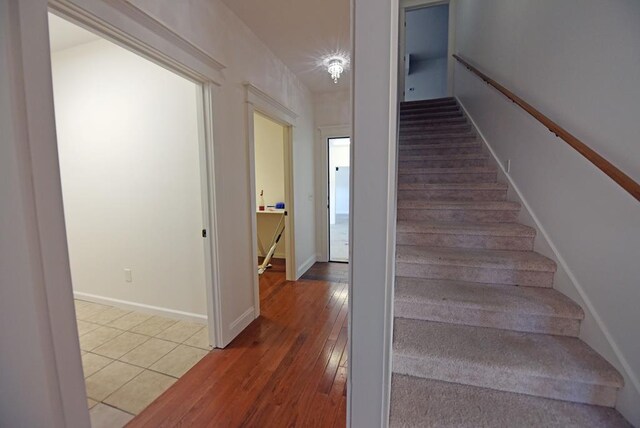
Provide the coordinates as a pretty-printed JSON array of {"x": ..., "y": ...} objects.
[
  {"x": 127, "y": 275},
  {"x": 508, "y": 166}
]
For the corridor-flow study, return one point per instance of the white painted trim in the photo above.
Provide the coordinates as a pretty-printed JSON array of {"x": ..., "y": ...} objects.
[
  {"x": 322, "y": 189},
  {"x": 130, "y": 27},
  {"x": 258, "y": 101},
  {"x": 141, "y": 307},
  {"x": 268, "y": 104},
  {"x": 240, "y": 323},
  {"x": 406, "y": 5},
  {"x": 557, "y": 257},
  {"x": 306, "y": 265}
]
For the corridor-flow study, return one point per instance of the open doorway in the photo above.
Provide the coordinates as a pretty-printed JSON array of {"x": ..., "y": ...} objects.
[
  {"x": 425, "y": 50},
  {"x": 270, "y": 196},
  {"x": 133, "y": 168},
  {"x": 339, "y": 173}
]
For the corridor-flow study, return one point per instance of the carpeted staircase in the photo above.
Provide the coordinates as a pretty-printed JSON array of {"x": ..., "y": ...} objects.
[{"x": 481, "y": 339}]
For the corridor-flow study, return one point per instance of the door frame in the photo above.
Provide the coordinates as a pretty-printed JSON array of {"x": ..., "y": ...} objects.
[
  {"x": 131, "y": 28},
  {"x": 326, "y": 132},
  {"x": 258, "y": 101},
  {"x": 408, "y": 5}
]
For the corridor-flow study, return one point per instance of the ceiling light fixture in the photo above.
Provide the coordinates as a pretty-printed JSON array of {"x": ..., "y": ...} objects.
[{"x": 335, "y": 65}]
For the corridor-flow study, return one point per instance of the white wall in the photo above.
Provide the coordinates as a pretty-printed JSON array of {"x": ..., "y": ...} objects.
[
  {"x": 426, "y": 43},
  {"x": 372, "y": 235},
  {"x": 210, "y": 25},
  {"x": 129, "y": 160},
  {"x": 269, "y": 161},
  {"x": 41, "y": 380},
  {"x": 332, "y": 108},
  {"x": 576, "y": 61}
]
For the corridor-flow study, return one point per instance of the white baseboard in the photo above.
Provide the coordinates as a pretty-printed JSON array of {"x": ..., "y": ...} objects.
[
  {"x": 306, "y": 265},
  {"x": 133, "y": 306},
  {"x": 599, "y": 338}
]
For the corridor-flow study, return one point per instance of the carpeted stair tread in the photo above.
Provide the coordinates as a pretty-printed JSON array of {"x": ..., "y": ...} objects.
[
  {"x": 505, "y": 360},
  {"x": 459, "y": 205},
  {"x": 530, "y": 309},
  {"x": 493, "y": 259},
  {"x": 465, "y": 170},
  {"x": 425, "y": 403},
  {"x": 478, "y": 229},
  {"x": 462, "y": 156},
  {"x": 452, "y": 186}
]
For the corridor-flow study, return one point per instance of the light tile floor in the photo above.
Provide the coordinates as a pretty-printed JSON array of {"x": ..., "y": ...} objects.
[{"x": 129, "y": 358}]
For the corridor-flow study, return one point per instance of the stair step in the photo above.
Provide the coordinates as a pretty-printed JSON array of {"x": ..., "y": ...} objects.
[
  {"x": 433, "y": 101},
  {"x": 458, "y": 211},
  {"x": 408, "y": 122},
  {"x": 426, "y": 403},
  {"x": 490, "y": 236},
  {"x": 528, "y": 309},
  {"x": 435, "y": 127},
  {"x": 440, "y": 149},
  {"x": 437, "y": 138},
  {"x": 430, "y": 115},
  {"x": 453, "y": 192},
  {"x": 443, "y": 161},
  {"x": 557, "y": 367},
  {"x": 448, "y": 175},
  {"x": 486, "y": 266},
  {"x": 430, "y": 109}
]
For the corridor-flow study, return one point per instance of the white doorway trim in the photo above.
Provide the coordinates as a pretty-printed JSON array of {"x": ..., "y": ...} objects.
[
  {"x": 258, "y": 101},
  {"x": 407, "y": 5},
  {"x": 326, "y": 132},
  {"x": 34, "y": 114}
]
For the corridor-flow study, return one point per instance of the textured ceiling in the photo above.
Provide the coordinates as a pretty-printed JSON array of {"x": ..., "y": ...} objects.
[{"x": 300, "y": 32}]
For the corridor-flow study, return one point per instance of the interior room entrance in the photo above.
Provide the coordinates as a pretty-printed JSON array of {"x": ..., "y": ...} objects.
[
  {"x": 130, "y": 151},
  {"x": 427, "y": 70},
  {"x": 339, "y": 173}
]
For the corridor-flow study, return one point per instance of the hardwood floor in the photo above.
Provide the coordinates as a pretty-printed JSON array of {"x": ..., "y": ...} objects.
[{"x": 287, "y": 369}]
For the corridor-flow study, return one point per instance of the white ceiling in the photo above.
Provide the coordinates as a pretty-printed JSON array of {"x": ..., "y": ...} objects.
[
  {"x": 64, "y": 35},
  {"x": 300, "y": 32}
]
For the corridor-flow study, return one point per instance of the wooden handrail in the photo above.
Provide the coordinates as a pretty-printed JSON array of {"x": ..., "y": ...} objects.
[{"x": 626, "y": 182}]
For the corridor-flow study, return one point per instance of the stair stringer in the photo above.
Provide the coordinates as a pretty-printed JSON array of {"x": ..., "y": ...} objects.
[{"x": 593, "y": 331}]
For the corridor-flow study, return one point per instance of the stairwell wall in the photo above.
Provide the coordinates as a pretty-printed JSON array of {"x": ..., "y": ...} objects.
[{"x": 577, "y": 62}]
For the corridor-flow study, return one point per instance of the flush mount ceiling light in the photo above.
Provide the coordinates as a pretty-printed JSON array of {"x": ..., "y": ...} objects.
[{"x": 335, "y": 65}]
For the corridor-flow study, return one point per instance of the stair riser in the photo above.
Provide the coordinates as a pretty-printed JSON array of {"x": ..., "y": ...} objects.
[
  {"x": 430, "y": 116},
  {"x": 433, "y": 133},
  {"x": 483, "y": 177},
  {"x": 453, "y": 195},
  {"x": 445, "y": 121},
  {"x": 430, "y": 110},
  {"x": 476, "y": 274},
  {"x": 437, "y": 151},
  {"x": 433, "y": 102},
  {"x": 466, "y": 241},
  {"x": 443, "y": 163},
  {"x": 436, "y": 127},
  {"x": 459, "y": 216},
  {"x": 437, "y": 139},
  {"x": 559, "y": 389},
  {"x": 487, "y": 318}
]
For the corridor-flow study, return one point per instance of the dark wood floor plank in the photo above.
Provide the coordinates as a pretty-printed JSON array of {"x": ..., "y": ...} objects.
[{"x": 288, "y": 368}]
